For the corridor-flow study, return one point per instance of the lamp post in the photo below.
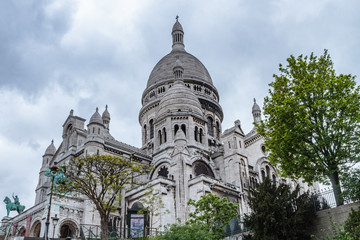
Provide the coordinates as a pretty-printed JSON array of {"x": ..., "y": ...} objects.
[
  {"x": 47, "y": 223},
  {"x": 55, "y": 221}
]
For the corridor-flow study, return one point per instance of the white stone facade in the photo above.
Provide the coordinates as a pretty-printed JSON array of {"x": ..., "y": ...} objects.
[{"x": 182, "y": 139}]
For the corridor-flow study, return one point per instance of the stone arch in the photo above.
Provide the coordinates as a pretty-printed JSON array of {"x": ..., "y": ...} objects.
[
  {"x": 35, "y": 229},
  {"x": 68, "y": 132},
  {"x": 176, "y": 128},
  {"x": 162, "y": 170},
  {"x": 200, "y": 167},
  {"x": 162, "y": 162},
  {"x": 137, "y": 205},
  {"x": 218, "y": 130},
  {"x": 68, "y": 228},
  {"x": 196, "y": 133},
  {"x": 183, "y": 128},
  {"x": 160, "y": 138},
  {"x": 21, "y": 231},
  {"x": 210, "y": 125},
  {"x": 259, "y": 163},
  {"x": 145, "y": 134},
  {"x": 151, "y": 123},
  {"x": 164, "y": 135}
]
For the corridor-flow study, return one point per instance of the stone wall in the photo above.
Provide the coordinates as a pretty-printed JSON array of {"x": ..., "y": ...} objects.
[{"x": 322, "y": 225}]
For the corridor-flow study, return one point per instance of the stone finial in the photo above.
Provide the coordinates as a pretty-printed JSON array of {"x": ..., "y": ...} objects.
[
  {"x": 237, "y": 123},
  {"x": 71, "y": 112}
]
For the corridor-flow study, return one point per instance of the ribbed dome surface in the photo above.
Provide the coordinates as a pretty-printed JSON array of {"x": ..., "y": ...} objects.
[
  {"x": 96, "y": 118},
  {"x": 180, "y": 98},
  {"x": 163, "y": 70},
  {"x": 50, "y": 150}
]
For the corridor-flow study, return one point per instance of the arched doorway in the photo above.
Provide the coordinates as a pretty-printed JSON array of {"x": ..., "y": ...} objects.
[
  {"x": 21, "y": 232},
  {"x": 35, "y": 229},
  {"x": 68, "y": 229}
]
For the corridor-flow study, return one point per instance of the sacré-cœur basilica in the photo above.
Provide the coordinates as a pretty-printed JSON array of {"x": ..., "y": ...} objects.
[{"x": 182, "y": 139}]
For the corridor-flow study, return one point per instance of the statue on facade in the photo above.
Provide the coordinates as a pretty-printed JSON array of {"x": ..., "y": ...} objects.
[{"x": 13, "y": 206}]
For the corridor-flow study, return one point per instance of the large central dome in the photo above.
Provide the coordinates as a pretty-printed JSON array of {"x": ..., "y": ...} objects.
[
  {"x": 195, "y": 70},
  {"x": 196, "y": 80},
  {"x": 163, "y": 71}
]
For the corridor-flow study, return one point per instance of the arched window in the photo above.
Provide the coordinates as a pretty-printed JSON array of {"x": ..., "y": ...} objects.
[
  {"x": 183, "y": 127},
  {"x": 217, "y": 130},
  {"x": 202, "y": 168},
  {"x": 163, "y": 171},
  {"x": 263, "y": 175},
  {"x": 176, "y": 128},
  {"x": 274, "y": 178},
  {"x": 145, "y": 133},
  {"x": 267, "y": 171},
  {"x": 200, "y": 135},
  {"x": 151, "y": 123},
  {"x": 160, "y": 137},
  {"x": 210, "y": 126},
  {"x": 164, "y": 135},
  {"x": 196, "y": 132}
]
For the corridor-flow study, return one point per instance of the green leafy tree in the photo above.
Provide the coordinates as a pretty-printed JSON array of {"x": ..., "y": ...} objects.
[
  {"x": 312, "y": 120},
  {"x": 336, "y": 233},
  {"x": 101, "y": 178},
  {"x": 187, "y": 232},
  {"x": 352, "y": 224},
  {"x": 278, "y": 212},
  {"x": 154, "y": 205},
  {"x": 213, "y": 212},
  {"x": 351, "y": 185}
]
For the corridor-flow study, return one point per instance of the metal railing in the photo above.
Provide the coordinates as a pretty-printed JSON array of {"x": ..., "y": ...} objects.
[
  {"x": 92, "y": 232},
  {"x": 325, "y": 198}
]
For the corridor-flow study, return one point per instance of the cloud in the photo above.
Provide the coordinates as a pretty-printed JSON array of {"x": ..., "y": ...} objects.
[{"x": 62, "y": 55}]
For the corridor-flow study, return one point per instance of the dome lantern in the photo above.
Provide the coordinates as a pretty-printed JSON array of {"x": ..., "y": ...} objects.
[
  {"x": 256, "y": 111},
  {"x": 178, "y": 36},
  {"x": 178, "y": 70}
]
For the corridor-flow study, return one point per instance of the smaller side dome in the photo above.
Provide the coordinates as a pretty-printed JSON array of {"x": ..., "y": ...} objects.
[
  {"x": 255, "y": 107},
  {"x": 50, "y": 150},
  {"x": 106, "y": 114},
  {"x": 96, "y": 118},
  {"x": 256, "y": 111},
  {"x": 179, "y": 98}
]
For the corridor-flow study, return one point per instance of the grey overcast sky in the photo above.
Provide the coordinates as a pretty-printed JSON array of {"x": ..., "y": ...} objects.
[{"x": 81, "y": 54}]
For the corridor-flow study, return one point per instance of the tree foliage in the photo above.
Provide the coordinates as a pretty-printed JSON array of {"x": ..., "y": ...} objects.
[
  {"x": 352, "y": 224},
  {"x": 278, "y": 212},
  {"x": 213, "y": 212},
  {"x": 312, "y": 120},
  {"x": 187, "y": 232},
  {"x": 154, "y": 205},
  {"x": 351, "y": 185},
  {"x": 101, "y": 178}
]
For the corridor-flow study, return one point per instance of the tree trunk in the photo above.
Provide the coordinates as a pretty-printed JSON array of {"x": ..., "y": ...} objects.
[
  {"x": 104, "y": 228},
  {"x": 334, "y": 179}
]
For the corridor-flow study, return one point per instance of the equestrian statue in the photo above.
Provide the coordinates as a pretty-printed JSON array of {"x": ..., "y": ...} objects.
[{"x": 13, "y": 206}]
